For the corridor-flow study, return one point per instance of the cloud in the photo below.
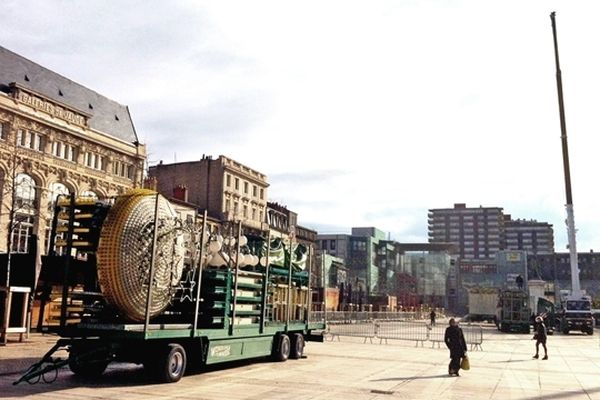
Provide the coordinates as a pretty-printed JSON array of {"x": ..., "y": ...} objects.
[{"x": 359, "y": 115}]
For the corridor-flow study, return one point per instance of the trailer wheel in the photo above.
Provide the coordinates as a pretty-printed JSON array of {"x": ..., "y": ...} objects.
[
  {"x": 282, "y": 348},
  {"x": 87, "y": 363},
  {"x": 297, "y": 348},
  {"x": 171, "y": 363}
]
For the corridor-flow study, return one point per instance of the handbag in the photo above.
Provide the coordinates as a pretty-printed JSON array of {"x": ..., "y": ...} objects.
[
  {"x": 464, "y": 363},
  {"x": 535, "y": 337}
]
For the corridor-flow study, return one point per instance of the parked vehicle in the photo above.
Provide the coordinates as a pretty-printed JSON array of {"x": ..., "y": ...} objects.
[
  {"x": 134, "y": 283},
  {"x": 514, "y": 312}
]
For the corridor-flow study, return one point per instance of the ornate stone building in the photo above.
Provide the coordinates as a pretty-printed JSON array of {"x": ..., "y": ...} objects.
[
  {"x": 229, "y": 190},
  {"x": 57, "y": 137}
]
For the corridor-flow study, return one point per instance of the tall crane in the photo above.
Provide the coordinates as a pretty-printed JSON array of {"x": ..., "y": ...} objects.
[{"x": 577, "y": 305}]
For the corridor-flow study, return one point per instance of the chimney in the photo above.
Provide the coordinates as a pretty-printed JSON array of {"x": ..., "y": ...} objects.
[
  {"x": 151, "y": 183},
  {"x": 180, "y": 192}
]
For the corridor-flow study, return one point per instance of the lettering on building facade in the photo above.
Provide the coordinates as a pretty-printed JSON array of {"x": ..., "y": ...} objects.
[{"x": 51, "y": 108}]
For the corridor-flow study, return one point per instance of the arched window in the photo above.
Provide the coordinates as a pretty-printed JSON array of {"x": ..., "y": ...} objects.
[
  {"x": 25, "y": 192},
  {"x": 24, "y": 209},
  {"x": 56, "y": 189}
]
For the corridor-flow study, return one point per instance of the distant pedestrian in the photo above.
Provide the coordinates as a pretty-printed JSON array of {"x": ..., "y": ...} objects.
[
  {"x": 519, "y": 280},
  {"x": 432, "y": 317},
  {"x": 540, "y": 336},
  {"x": 455, "y": 341}
]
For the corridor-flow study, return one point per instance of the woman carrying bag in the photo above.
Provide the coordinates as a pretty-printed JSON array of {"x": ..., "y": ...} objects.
[{"x": 455, "y": 341}]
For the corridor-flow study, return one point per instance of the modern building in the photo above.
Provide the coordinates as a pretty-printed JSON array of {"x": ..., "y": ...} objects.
[
  {"x": 229, "y": 190},
  {"x": 478, "y": 232},
  {"x": 530, "y": 235},
  {"x": 57, "y": 137},
  {"x": 334, "y": 244},
  {"x": 556, "y": 269},
  {"x": 359, "y": 252}
]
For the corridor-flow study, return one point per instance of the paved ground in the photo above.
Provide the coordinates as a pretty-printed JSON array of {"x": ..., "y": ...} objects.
[{"x": 349, "y": 370}]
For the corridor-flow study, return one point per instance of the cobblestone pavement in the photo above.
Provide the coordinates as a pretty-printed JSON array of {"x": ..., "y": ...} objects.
[{"x": 350, "y": 369}]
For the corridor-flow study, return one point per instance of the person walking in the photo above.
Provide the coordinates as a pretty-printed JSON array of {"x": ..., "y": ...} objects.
[
  {"x": 432, "y": 317},
  {"x": 540, "y": 337},
  {"x": 455, "y": 341}
]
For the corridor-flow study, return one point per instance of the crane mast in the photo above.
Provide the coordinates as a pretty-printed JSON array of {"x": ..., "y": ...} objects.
[{"x": 575, "y": 284}]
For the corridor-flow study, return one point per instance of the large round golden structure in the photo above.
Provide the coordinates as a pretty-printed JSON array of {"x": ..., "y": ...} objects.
[{"x": 125, "y": 254}]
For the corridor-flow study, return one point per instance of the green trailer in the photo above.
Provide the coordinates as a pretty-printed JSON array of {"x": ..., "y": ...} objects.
[{"x": 214, "y": 314}]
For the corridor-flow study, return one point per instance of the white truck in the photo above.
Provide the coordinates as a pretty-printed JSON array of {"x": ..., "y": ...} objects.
[{"x": 483, "y": 303}]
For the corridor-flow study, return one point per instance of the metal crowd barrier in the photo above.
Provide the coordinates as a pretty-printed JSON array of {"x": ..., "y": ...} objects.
[
  {"x": 354, "y": 316},
  {"x": 473, "y": 335},
  {"x": 360, "y": 329},
  {"x": 402, "y": 330},
  {"x": 417, "y": 331}
]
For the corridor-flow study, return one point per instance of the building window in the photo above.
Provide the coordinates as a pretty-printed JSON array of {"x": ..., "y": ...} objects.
[
  {"x": 260, "y": 216},
  {"x": 245, "y": 211},
  {"x": 262, "y": 193},
  {"x": 228, "y": 180},
  {"x": 95, "y": 161},
  {"x": 237, "y": 184},
  {"x": 3, "y": 131},
  {"x": 254, "y": 190},
  {"x": 25, "y": 193},
  {"x": 21, "y": 233},
  {"x": 64, "y": 151},
  {"x": 24, "y": 209},
  {"x": 254, "y": 214},
  {"x": 30, "y": 140},
  {"x": 227, "y": 205},
  {"x": 123, "y": 170},
  {"x": 246, "y": 187},
  {"x": 332, "y": 245}
]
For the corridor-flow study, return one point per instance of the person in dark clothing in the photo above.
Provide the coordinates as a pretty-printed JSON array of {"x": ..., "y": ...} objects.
[
  {"x": 519, "y": 280},
  {"x": 432, "y": 317},
  {"x": 540, "y": 337},
  {"x": 455, "y": 341}
]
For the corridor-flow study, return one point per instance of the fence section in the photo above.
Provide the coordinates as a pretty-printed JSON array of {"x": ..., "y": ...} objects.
[
  {"x": 417, "y": 331},
  {"x": 360, "y": 329}
]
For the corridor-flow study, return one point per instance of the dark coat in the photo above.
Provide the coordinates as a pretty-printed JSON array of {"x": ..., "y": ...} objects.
[
  {"x": 540, "y": 332},
  {"x": 455, "y": 341}
]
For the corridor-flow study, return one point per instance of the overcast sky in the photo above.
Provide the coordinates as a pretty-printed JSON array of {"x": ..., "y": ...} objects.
[{"x": 361, "y": 113}]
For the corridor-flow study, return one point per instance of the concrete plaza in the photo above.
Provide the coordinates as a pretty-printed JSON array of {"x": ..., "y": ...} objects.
[{"x": 350, "y": 369}]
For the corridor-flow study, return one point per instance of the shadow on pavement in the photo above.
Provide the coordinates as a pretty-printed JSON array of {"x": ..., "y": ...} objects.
[
  {"x": 511, "y": 361},
  {"x": 567, "y": 394},
  {"x": 411, "y": 378},
  {"x": 117, "y": 375},
  {"x": 7, "y": 365}
]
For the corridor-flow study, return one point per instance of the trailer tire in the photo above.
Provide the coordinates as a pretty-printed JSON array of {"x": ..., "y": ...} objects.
[
  {"x": 297, "y": 348},
  {"x": 281, "y": 352},
  {"x": 168, "y": 364},
  {"x": 90, "y": 368}
]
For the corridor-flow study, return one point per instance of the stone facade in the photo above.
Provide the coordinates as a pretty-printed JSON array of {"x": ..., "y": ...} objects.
[
  {"x": 230, "y": 191},
  {"x": 49, "y": 146}
]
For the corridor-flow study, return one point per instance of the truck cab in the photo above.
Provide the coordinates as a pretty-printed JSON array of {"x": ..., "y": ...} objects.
[{"x": 576, "y": 314}]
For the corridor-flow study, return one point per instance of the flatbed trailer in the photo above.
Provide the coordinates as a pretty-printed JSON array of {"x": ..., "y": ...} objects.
[{"x": 218, "y": 314}]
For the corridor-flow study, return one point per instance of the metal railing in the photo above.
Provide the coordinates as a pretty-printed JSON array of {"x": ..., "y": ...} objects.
[
  {"x": 393, "y": 326},
  {"x": 354, "y": 316}
]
